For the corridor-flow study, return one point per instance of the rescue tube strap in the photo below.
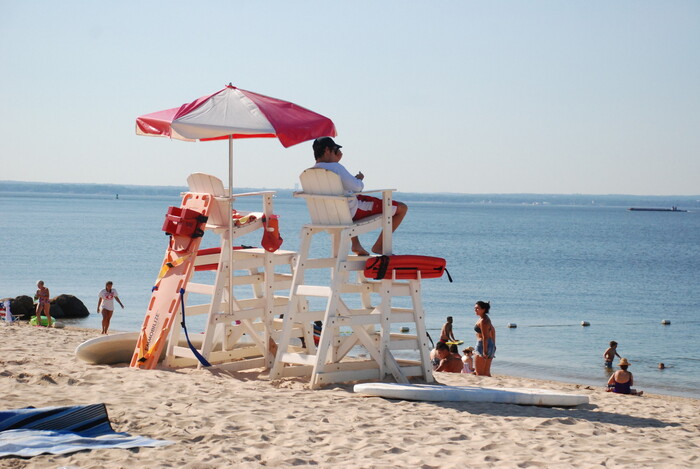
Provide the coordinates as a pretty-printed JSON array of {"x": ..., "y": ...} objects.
[{"x": 196, "y": 353}]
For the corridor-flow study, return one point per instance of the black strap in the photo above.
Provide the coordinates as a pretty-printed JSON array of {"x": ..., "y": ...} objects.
[
  {"x": 196, "y": 353},
  {"x": 431, "y": 340},
  {"x": 449, "y": 277},
  {"x": 383, "y": 266}
]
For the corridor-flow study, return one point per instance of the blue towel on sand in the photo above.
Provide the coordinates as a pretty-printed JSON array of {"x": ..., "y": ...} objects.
[{"x": 59, "y": 430}]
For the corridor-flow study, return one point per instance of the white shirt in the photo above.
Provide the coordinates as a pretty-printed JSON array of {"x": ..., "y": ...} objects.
[
  {"x": 108, "y": 298},
  {"x": 350, "y": 183}
]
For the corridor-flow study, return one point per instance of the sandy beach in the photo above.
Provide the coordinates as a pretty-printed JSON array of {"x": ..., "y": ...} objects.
[{"x": 246, "y": 420}]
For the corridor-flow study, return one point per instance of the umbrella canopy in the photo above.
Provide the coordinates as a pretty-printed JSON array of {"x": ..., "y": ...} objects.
[{"x": 236, "y": 113}]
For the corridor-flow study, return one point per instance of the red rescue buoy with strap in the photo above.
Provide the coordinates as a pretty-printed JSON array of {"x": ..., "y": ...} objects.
[{"x": 405, "y": 267}]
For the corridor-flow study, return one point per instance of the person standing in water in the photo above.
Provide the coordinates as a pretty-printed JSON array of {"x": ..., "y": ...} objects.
[
  {"x": 43, "y": 306},
  {"x": 105, "y": 299},
  {"x": 485, "y": 339},
  {"x": 446, "y": 333},
  {"x": 610, "y": 354}
]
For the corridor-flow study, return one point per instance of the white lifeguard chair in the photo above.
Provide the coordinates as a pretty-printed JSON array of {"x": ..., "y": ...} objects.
[
  {"x": 239, "y": 332},
  {"x": 348, "y": 326}
]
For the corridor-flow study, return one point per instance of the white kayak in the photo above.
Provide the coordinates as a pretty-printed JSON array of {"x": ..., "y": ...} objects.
[{"x": 442, "y": 393}]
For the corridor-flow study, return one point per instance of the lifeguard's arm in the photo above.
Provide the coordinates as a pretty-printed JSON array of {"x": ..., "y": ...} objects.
[
  {"x": 99, "y": 302},
  {"x": 119, "y": 301}
]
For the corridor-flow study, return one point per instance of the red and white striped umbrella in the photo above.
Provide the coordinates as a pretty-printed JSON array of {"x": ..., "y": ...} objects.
[{"x": 233, "y": 113}]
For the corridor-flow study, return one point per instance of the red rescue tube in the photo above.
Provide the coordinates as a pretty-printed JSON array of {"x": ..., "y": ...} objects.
[{"x": 405, "y": 267}]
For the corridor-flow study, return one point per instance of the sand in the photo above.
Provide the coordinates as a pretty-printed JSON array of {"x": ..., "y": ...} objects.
[{"x": 246, "y": 420}]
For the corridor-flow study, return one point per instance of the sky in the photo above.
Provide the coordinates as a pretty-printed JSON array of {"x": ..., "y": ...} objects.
[{"x": 546, "y": 97}]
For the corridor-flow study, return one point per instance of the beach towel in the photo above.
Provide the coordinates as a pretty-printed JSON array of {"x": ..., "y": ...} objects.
[{"x": 60, "y": 430}]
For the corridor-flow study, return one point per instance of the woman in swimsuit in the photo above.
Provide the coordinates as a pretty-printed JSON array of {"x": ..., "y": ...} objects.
[
  {"x": 621, "y": 381},
  {"x": 485, "y": 339},
  {"x": 43, "y": 306}
]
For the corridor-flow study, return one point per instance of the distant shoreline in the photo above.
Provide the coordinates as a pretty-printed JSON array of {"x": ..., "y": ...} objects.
[{"x": 107, "y": 191}]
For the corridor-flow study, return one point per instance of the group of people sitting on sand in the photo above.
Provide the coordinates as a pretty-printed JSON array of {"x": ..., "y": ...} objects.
[{"x": 447, "y": 358}]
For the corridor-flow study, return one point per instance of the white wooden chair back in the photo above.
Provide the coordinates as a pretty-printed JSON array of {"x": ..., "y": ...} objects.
[
  {"x": 208, "y": 184},
  {"x": 325, "y": 198}
]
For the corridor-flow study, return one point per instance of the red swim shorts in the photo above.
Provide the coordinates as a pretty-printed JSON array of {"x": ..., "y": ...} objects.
[{"x": 367, "y": 205}]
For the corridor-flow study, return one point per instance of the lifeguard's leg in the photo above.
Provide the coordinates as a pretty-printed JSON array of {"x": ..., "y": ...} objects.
[
  {"x": 357, "y": 247},
  {"x": 401, "y": 209}
]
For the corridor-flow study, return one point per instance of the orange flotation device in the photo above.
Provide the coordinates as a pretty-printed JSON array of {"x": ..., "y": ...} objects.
[{"x": 405, "y": 267}]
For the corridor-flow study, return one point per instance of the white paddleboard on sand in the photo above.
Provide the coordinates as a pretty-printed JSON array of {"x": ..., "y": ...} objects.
[
  {"x": 108, "y": 349},
  {"x": 118, "y": 348},
  {"x": 441, "y": 393}
]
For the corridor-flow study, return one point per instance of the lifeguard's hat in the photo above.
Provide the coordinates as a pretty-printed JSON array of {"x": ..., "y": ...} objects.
[
  {"x": 623, "y": 361},
  {"x": 320, "y": 145}
]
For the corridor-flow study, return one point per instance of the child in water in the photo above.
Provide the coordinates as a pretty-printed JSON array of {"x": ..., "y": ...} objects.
[{"x": 610, "y": 354}]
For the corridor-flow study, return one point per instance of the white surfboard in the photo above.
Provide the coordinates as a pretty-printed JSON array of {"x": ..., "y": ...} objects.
[
  {"x": 108, "y": 349},
  {"x": 118, "y": 348},
  {"x": 438, "y": 392}
]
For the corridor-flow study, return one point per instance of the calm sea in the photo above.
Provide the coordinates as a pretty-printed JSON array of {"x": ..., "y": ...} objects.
[{"x": 546, "y": 263}]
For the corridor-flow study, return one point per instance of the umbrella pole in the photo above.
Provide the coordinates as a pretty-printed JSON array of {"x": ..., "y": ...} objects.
[{"x": 230, "y": 225}]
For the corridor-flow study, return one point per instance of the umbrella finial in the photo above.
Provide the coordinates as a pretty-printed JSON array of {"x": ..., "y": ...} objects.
[{"x": 230, "y": 85}]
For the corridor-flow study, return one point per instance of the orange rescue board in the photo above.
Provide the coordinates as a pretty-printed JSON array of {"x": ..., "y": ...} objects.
[{"x": 175, "y": 272}]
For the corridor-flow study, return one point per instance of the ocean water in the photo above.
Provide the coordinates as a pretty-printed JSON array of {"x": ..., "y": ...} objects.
[{"x": 543, "y": 266}]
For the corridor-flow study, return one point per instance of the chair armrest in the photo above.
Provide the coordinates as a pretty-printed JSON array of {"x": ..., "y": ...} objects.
[
  {"x": 340, "y": 196},
  {"x": 304, "y": 195},
  {"x": 376, "y": 190}
]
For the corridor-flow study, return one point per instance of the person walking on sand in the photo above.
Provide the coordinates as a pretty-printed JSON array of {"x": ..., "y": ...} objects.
[
  {"x": 622, "y": 380},
  {"x": 485, "y": 339},
  {"x": 43, "y": 305},
  {"x": 327, "y": 154},
  {"x": 105, "y": 299},
  {"x": 610, "y": 354},
  {"x": 446, "y": 334}
]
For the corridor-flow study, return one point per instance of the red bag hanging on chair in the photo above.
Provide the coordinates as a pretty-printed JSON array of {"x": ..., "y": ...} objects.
[{"x": 271, "y": 240}]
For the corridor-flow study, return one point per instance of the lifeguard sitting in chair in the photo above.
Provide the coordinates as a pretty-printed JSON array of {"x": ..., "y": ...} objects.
[{"x": 328, "y": 155}]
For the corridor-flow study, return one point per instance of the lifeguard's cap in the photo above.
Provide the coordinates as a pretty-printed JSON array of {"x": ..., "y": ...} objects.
[{"x": 320, "y": 144}]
